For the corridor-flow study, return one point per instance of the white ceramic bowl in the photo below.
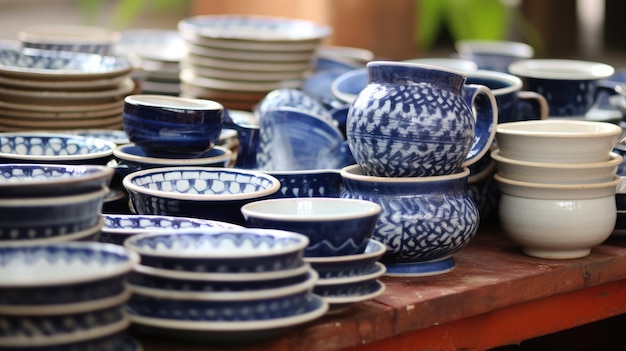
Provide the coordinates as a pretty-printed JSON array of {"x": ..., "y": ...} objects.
[
  {"x": 557, "y": 172},
  {"x": 564, "y": 141},
  {"x": 557, "y": 221}
]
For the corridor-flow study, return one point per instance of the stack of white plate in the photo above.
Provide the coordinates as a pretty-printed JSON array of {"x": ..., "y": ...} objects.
[
  {"x": 55, "y": 90},
  {"x": 236, "y": 59},
  {"x": 158, "y": 53}
]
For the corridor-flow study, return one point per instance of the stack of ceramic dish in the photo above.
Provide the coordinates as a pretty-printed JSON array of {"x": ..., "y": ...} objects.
[
  {"x": 227, "y": 284},
  {"x": 340, "y": 246},
  {"x": 65, "y": 296},
  {"x": 558, "y": 183},
  {"x": 55, "y": 90},
  {"x": 158, "y": 54},
  {"x": 237, "y": 59},
  {"x": 45, "y": 203}
]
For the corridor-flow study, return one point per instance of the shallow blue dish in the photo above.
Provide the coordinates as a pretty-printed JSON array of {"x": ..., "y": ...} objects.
[{"x": 348, "y": 265}]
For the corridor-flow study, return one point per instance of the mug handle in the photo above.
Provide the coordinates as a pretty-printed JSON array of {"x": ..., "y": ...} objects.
[
  {"x": 538, "y": 99},
  {"x": 485, "y": 111}
]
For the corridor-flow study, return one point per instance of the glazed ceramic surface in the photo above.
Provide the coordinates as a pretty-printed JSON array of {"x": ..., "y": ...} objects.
[
  {"x": 119, "y": 227},
  {"x": 560, "y": 141},
  {"x": 220, "y": 250},
  {"x": 172, "y": 127},
  {"x": 493, "y": 55},
  {"x": 417, "y": 120},
  {"x": 202, "y": 192},
  {"x": 334, "y": 226},
  {"x": 48, "y": 217},
  {"x": 308, "y": 183},
  {"x": 348, "y": 265},
  {"x": 425, "y": 220},
  {"x": 69, "y": 38},
  {"x": 557, "y": 172},
  {"x": 35, "y": 147},
  {"x": 38, "y": 180},
  {"x": 293, "y": 98},
  {"x": 557, "y": 221},
  {"x": 60, "y": 65},
  {"x": 569, "y": 86}
]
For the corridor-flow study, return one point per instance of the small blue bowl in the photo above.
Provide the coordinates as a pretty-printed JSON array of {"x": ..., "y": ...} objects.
[
  {"x": 119, "y": 227},
  {"x": 227, "y": 306},
  {"x": 58, "y": 274},
  {"x": 334, "y": 226},
  {"x": 49, "y": 217},
  {"x": 51, "y": 148},
  {"x": 349, "y": 84},
  {"x": 220, "y": 250},
  {"x": 171, "y": 126},
  {"x": 199, "y": 192}
]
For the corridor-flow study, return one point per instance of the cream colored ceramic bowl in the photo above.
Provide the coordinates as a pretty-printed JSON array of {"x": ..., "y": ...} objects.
[
  {"x": 557, "y": 172},
  {"x": 556, "y": 140},
  {"x": 557, "y": 221}
]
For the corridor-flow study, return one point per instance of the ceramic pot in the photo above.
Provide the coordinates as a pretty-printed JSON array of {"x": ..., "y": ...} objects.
[
  {"x": 424, "y": 221},
  {"x": 418, "y": 120}
]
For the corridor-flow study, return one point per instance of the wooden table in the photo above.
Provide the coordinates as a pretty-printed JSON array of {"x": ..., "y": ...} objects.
[{"x": 495, "y": 296}]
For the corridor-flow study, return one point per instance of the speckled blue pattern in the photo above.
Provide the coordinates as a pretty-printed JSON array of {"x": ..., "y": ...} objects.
[
  {"x": 61, "y": 62},
  {"x": 314, "y": 183},
  {"x": 51, "y": 148}
]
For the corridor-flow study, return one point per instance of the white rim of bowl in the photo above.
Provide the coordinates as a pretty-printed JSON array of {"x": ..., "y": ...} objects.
[
  {"x": 70, "y": 307},
  {"x": 380, "y": 250},
  {"x": 495, "y": 47},
  {"x": 45, "y": 158},
  {"x": 102, "y": 172},
  {"x": 561, "y": 69},
  {"x": 226, "y": 277},
  {"x": 130, "y": 186},
  {"x": 303, "y": 242},
  {"x": 615, "y": 160},
  {"x": 122, "y": 268},
  {"x": 518, "y": 128},
  {"x": 349, "y": 173},
  {"x": 613, "y": 183},
  {"x": 381, "y": 269},
  {"x": 334, "y": 85},
  {"x": 121, "y": 154},
  {"x": 175, "y": 102},
  {"x": 247, "y": 295},
  {"x": 256, "y": 209},
  {"x": 516, "y": 82},
  {"x": 130, "y": 231}
]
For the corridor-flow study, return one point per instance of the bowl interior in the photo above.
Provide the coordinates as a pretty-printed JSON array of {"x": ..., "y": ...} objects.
[
  {"x": 565, "y": 128},
  {"x": 307, "y": 209}
]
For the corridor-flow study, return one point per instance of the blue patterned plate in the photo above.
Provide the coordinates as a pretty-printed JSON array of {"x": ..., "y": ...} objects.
[{"x": 42, "y": 64}]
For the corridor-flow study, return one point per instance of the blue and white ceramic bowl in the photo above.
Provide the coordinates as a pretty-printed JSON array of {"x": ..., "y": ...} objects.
[
  {"x": 201, "y": 192},
  {"x": 17, "y": 332},
  {"x": 348, "y": 265},
  {"x": 49, "y": 217},
  {"x": 119, "y": 227},
  {"x": 62, "y": 277},
  {"x": 220, "y": 250},
  {"x": 131, "y": 158},
  {"x": 349, "y": 84},
  {"x": 72, "y": 38},
  {"x": 227, "y": 306},
  {"x": 39, "y": 180},
  {"x": 334, "y": 226},
  {"x": 62, "y": 65},
  {"x": 293, "y": 98},
  {"x": 171, "y": 126},
  {"x": 88, "y": 234},
  {"x": 312, "y": 183},
  {"x": 37, "y": 147}
]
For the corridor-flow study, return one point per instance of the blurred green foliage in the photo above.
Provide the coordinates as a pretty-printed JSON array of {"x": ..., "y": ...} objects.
[{"x": 127, "y": 11}]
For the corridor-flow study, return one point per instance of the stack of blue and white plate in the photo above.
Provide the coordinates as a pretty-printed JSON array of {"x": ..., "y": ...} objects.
[
  {"x": 65, "y": 296},
  {"x": 47, "y": 203},
  {"x": 348, "y": 279},
  {"x": 221, "y": 284}
]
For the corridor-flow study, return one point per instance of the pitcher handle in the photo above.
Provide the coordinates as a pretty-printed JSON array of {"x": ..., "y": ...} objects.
[{"x": 485, "y": 111}]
